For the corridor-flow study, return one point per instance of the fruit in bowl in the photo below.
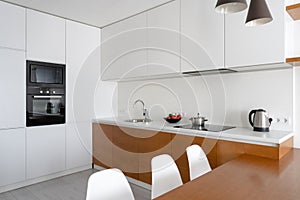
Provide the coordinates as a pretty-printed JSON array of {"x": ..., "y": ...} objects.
[{"x": 173, "y": 118}]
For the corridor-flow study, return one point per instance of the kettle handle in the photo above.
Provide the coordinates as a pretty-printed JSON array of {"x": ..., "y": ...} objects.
[{"x": 252, "y": 112}]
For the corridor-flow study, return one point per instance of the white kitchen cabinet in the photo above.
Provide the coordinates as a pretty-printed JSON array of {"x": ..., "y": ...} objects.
[
  {"x": 12, "y": 21},
  {"x": 256, "y": 45},
  {"x": 12, "y": 88},
  {"x": 45, "y": 37},
  {"x": 163, "y": 39},
  {"x": 123, "y": 53},
  {"x": 78, "y": 144},
  {"x": 12, "y": 156},
  {"x": 202, "y": 39},
  {"x": 45, "y": 150},
  {"x": 83, "y": 70}
]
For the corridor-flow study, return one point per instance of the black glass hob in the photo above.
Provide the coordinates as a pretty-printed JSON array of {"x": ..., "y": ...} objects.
[{"x": 206, "y": 127}]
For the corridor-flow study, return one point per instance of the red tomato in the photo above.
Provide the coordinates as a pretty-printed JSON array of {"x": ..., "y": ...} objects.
[
  {"x": 178, "y": 116},
  {"x": 174, "y": 117}
]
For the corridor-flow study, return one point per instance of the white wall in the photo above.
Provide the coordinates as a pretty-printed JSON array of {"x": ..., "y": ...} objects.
[{"x": 224, "y": 98}]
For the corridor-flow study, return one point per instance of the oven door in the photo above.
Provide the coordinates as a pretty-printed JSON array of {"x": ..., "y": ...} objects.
[{"x": 45, "y": 110}]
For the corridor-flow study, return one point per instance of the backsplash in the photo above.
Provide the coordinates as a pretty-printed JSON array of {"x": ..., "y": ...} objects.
[{"x": 223, "y": 99}]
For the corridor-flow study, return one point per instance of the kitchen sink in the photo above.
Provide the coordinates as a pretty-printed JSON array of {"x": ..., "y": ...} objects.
[{"x": 138, "y": 120}]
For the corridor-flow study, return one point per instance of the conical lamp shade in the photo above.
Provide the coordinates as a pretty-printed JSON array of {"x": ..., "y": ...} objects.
[
  {"x": 230, "y": 6},
  {"x": 258, "y": 13}
]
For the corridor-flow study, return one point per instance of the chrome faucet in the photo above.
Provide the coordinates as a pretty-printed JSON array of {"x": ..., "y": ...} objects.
[{"x": 145, "y": 111}]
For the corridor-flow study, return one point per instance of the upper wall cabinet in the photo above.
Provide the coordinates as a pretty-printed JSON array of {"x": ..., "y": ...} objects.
[
  {"x": 123, "y": 49},
  {"x": 83, "y": 69},
  {"x": 45, "y": 37},
  {"x": 256, "y": 45},
  {"x": 163, "y": 39},
  {"x": 12, "y": 88},
  {"x": 202, "y": 40},
  {"x": 12, "y": 21}
]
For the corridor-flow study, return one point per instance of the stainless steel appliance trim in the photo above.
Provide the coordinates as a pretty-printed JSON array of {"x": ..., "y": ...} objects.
[{"x": 47, "y": 97}]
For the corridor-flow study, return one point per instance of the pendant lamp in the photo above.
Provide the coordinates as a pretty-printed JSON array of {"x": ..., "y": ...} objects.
[
  {"x": 230, "y": 6},
  {"x": 258, "y": 13}
]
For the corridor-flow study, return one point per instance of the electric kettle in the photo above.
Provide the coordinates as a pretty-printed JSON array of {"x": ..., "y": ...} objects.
[{"x": 259, "y": 120}]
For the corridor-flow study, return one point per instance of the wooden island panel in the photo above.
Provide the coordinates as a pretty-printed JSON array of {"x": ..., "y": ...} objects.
[
  {"x": 150, "y": 145},
  {"x": 102, "y": 145},
  {"x": 131, "y": 150},
  {"x": 124, "y": 152}
]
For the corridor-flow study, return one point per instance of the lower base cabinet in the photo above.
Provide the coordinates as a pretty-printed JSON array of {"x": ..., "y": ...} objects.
[
  {"x": 131, "y": 150},
  {"x": 12, "y": 156},
  {"x": 45, "y": 150},
  {"x": 78, "y": 144}
]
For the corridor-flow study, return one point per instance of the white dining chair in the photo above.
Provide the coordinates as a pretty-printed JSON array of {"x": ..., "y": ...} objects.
[
  {"x": 109, "y": 184},
  {"x": 165, "y": 175},
  {"x": 198, "y": 162}
]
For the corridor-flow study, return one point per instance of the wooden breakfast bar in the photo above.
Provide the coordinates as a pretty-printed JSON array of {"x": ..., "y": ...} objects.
[{"x": 244, "y": 178}]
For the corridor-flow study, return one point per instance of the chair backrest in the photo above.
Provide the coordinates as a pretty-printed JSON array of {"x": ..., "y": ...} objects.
[
  {"x": 198, "y": 162},
  {"x": 165, "y": 175},
  {"x": 109, "y": 184}
]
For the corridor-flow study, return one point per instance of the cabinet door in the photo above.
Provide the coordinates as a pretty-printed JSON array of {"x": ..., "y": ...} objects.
[
  {"x": 45, "y": 37},
  {"x": 163, "y": 24},
  {"x": 12, "y": 156},
  {"x": 78, "y": 145},
  {"x": 123, "y": 49},
  {"x": 83, "y": 69},
  {"x": 256, "y": 45},
  {"x": 125, "y": 151},
  {"x": 102, "y": 145},
  {"x": 12, "y": 88},
  {"x": 12, "y": 21},
  {"x": 151, "y": 144},
  {"x": 45, "y": 150},
  {"x": 202, "y": 40}
]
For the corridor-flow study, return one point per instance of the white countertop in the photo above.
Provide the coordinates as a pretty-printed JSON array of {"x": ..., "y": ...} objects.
[{"x": 245, "y": 135}]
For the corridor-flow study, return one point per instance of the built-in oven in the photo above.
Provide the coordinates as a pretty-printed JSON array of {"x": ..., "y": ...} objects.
[{"x": 45, "y": 100}]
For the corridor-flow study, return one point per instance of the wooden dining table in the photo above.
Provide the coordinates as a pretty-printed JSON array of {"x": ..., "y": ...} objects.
[{"x": 244, "y": 178}]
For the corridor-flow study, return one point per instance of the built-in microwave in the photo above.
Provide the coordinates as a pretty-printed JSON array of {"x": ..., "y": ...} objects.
[{"x": 43, "y": 74}]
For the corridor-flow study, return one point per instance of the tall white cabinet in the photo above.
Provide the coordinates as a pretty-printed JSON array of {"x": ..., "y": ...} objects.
[
  {"x": 12, "y": 88},
  {"x": 12, "y": 156},
  {"x": 255, "y": 45},
  {"x": 12, "y": 23},
  {"x": 202, "y": 36},
  {"x": 45, "y": 37},
  {"x": 83, "y": 73}
]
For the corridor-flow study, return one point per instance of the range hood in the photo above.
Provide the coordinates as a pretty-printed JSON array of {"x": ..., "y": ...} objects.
[{"x": 242, "y": 69}]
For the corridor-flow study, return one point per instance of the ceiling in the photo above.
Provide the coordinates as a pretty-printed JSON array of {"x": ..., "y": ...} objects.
[{"x": 94, "y": 12}]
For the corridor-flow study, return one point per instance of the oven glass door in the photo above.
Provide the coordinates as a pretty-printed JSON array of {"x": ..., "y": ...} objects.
[{"x": 45, "y": 110}]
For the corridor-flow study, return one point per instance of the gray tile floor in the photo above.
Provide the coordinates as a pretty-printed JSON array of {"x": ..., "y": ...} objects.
[{"x": 71, "y": 187}]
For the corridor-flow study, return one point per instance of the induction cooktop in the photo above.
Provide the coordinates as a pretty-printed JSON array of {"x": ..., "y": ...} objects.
[{"x": 206, "y": 127}]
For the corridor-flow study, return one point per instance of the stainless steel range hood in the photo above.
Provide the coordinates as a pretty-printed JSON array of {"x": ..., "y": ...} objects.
[
  {"x": 209, "y": 72},
  {"x": 241, "y": 69}
]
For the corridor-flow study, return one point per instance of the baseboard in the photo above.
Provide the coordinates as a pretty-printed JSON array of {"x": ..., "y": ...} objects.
[
  {"x": 43, "y": 178},
  {"x": 130, "y": 180}
]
